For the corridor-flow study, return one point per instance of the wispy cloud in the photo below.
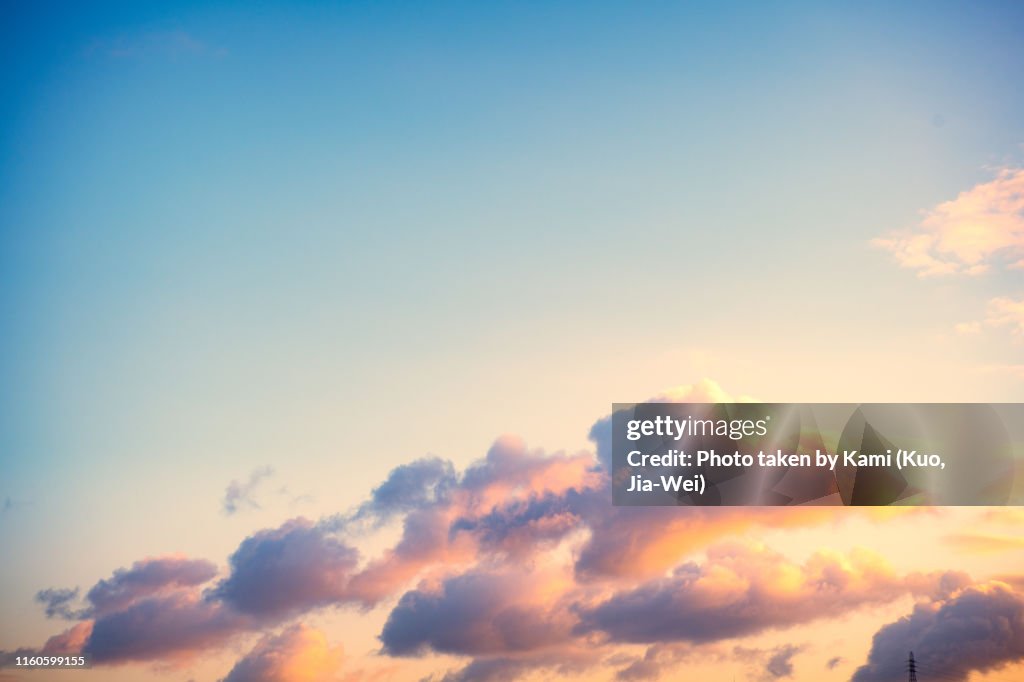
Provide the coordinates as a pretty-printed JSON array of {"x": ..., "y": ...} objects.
[
  {"x": 241, "y": 495},
  {"x": 1001, "y": 313},
  {"x": 980, "y": 229}
]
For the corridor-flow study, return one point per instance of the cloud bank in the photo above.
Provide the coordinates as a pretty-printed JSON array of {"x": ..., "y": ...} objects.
[{"x": 518, "y": 563}]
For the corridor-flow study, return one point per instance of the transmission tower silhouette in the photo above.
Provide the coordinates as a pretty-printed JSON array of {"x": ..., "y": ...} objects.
[{"x": 912, "y": 669}]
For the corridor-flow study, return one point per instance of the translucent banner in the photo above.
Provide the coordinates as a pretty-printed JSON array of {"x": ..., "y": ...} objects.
[{"x": 775, "y": 454}]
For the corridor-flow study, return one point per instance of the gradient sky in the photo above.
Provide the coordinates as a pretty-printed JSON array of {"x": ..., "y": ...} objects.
[{"x": 299, "y": 246}]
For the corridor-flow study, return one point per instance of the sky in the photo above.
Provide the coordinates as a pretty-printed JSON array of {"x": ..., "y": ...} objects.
[{"x": 308, "y": 312}]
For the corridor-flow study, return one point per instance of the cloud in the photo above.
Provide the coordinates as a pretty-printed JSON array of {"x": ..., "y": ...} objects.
[
  {"x": 780, "y": 663},
  {"x": 704, "y": 391},
  {"x": 153, "y": 610},
  {"x": 291, "y": 569},
  {"x": 521, "y": 527},
  {"x": 446, "y": 527},
  {"x": 508, "y": 668},
  {"x": 409, "y": 487},
  {"x": 1000, "y": 313},
  {"x": 985, "y": 543},
  {"x": 67, "y": 643},
  {"x": 58, "y": 603},
  {"x": 70, "y": 642},
  {"x": 656, "y": 659},
  {"x": 491, "y": 670},
  {"x": 298, "y": 654},
  {"x": 764, "y": 664},
  {"x": 145, "y": 578},
  {"x": 834, "y": 662},
  {"x": 1006, "y": 313},
  {"x": 646, "y": 541},
  {"x": 981, "y": 228},
  {"x": 477, "y": 613},
  {"x": 977, "y": 629},
  {"x": 744, "y": 590},
  {"x": 518, "y": 562},
  {"x": 163, "y": 627},
  {"x": 240, "y": 494}
]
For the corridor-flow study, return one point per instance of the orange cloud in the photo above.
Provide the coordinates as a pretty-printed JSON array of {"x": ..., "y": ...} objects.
[
  {"x": 982, "y": 543},
  {"x": 298, "y": 654},
  {"x": 746, "y": 589},
  {"x": 704, "y": 391},
  {"x": 69, "y": 642},
  {"x": 982, "y": 227}
]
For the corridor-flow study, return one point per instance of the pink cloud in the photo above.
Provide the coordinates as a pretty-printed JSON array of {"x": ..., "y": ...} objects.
[
  {"x": 1001, "y": 312},
  {"x": 514, "y": 563},
  {"x": 746, "y": 589},
  {"x": 981, "y": 228}
]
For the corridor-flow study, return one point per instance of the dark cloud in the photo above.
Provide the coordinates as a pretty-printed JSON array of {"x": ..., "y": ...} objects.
[
  {"x": 147, "y": 577},
  {"x": 780, "y": 663},
  {"x": 411, "y": 486},
  {"x": 472, "y": 614},
  {"x": 127, "y": 585},
  {"x": 153, "y": 610},
  {"x": 834, "y": 662},
  {"x": 58, "y": 603},
  {"x": 522, "y": 526},
  {"x": 162, "y": 627},
  {"x": 299, "y": 566},
  {"x": 977, "y": 629},
  {"x": 241, "y": 494}
]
